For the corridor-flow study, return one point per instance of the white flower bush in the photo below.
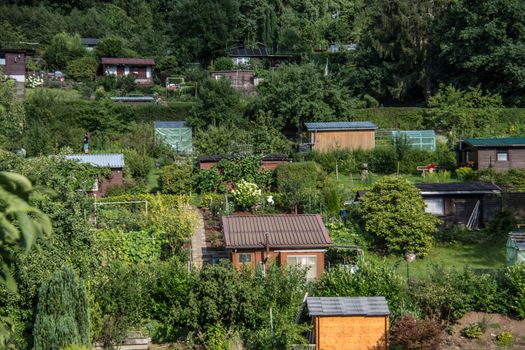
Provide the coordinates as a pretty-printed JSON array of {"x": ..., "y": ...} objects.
[
  {"x": 246, "y": 194},
  {"x": 34, "y": 81}
]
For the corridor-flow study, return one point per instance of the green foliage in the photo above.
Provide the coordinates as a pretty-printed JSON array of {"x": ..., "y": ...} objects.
[
  {"x": 393, "y": 215},
  {"x": 299, "y": 184},
  {"x": 82, "y": 69},
  {"x": 369, "y": 277},
  {"x": 501, "y": 224},
  {"x": 176, "y": 178},
  {"x": 63, "y": 317},
  {"x": 246, "y": 195},
  {"x": 215, "y": 337},
  {"x": 75, "y": 347},
  {"x": 515, "y": 278},
  {"x": 223, "y": 63},
  {"x": 209, "y": 180},
  {"x": 411, "y": 334},
  {"x": 137, "y": 165},
  {"x": 113, "y": 46},
  {"x": 463, "y": 173},
  {"x": 12, "y": 115},
  {"x": 345, "y": 233},
  {"x": 63, "y": 49},
  {"x": 474, "y": 330},
  {"x": 505, "y": 339},
  {"x": 132, "y": 246}
]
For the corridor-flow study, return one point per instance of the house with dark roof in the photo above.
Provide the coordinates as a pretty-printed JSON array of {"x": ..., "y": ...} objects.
[
  {"x": 241, "y": 55},
  {"x": 89, "y": 43},
  {"x": 499, "y": 154},
  {"x": 139, "y": 68},
  {"x": 350, "y": 323},
  {"x": 268, "y": 162},
  {"x": 113, "y": 161},
  {"x": 288, "y": 240},
  {"x": 327, "y": 136},
  {"x": 469, "y": 204},
  {"x": 13, "y": 66}
]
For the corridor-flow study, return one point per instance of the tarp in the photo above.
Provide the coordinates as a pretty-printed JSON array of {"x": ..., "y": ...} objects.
[{"x": 175, "y": 134}]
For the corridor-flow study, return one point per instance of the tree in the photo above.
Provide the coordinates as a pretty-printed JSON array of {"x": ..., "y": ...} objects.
[
  {"x": 12, "y": 115},
  {"x": 82, "y": 69},
  {"x": 176, "y": 178},
  {"x": 299, "y": 184},
  {"x": 63, "y": 49},
  {"x": 482, "y": 43},
  {"x": 113, "y": 46},
  {"x": 394, "y": 217},
  {"x": 63, "y": 317}
]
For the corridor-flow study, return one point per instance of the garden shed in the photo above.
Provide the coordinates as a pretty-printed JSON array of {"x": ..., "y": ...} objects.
[
  {"x": 419, "y": 139},
  {"x": 328, "y": 136},
  {"x": 348, "y": 323},
  {"x": 176, "y": 134},
  {"x": 515, "y": 248}
]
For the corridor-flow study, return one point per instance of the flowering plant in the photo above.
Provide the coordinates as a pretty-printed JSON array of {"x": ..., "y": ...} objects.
[
  {"x": 33, "y": 81},
  {"x": 246, "y": 194}
]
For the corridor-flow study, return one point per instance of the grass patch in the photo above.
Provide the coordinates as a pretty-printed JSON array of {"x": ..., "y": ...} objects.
[
  {"x": 63, "y": 94},
  {"x": 495, "y": 325},
  {"x": 152, "y": 181},
  {"x": 484, "y": 255}
]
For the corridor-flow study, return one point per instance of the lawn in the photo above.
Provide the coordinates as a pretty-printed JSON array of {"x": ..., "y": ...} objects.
[
  {"x": 488, "y": 254},
  {"x": 354, "y": 181},
  {"x": 64, "y": 94}
]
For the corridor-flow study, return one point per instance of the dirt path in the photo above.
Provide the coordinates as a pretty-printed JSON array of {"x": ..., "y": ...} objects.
[{"x": 198, "y": 243}]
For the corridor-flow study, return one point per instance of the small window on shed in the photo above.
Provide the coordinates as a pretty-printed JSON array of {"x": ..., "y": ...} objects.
[
  {"x": 308, "y": 262},
  {"x": 435, "y": 206},
  {"x": 245, "y": 258},
  {"x": 503, "y": 156}
]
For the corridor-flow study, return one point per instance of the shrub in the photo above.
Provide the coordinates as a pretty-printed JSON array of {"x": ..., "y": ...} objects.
[
  {"x": 82, "y": 69},
  {"x": 505, "y": 339},
  {"x": 464, "y": 173},
  {"x": 176, "y": 178},
  {"x": 409, "y": 334},
  {"x": 137, "y": 165},
  {"x": 62, "y": 317},
  {"x": 75, "y": 347},
  {"x": 223, "y": 63},
  {"x": 246, "y": 195},
  {"x": 515, "y": 278},
  {"x": 501, "y": 224},
  {"x": 474, "y": 330},
  {"x": 209, "y": 180}
]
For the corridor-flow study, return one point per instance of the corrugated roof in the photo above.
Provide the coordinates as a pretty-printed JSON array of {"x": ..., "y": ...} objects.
[
  {"x": 130, "y": 61},
  {"x": 496, "y": 142},
  {"x": 340, "y": 126},
  {"x": 285, "y": 231},
  {"x": 248, "y": 52},
  {"x": 89, "y": 41},
  {"x": 133, "y": 98},
  {"x": 347, "y": 306},
  {"x": 458, "y": 187},
  {"x": 169, "y": 124},
  {"x": 111, "y": 160}
]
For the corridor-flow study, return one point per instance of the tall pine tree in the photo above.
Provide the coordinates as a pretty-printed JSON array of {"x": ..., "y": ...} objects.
[{"x": 63, "y": 317}]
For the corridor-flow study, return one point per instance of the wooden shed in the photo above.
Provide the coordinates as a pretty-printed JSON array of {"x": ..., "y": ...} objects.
[
  {"x": 348, "y": 323},
  {"x": 500, "y": 154},
  {"x": 341, "y": 135}
]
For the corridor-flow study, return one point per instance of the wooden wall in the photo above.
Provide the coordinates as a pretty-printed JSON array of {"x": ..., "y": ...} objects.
[
  {"x": 346, "y": 139},
  {"x": 350, "y": 332},
  {"x": 487, "y": 157},
  {"x": 280, "y": 257}
]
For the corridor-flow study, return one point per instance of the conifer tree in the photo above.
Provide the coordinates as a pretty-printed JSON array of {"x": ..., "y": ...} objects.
[{"x": 62, "y": 317}]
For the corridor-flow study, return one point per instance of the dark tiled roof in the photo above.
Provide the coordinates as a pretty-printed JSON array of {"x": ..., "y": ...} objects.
[
  {"x": 248, "y": 52},
  {"x": 458, "y": 187},
  {"x": 347, "y": 306},
  {"x": 130, "y": 61},
  {"x": 285, "y": 231},
  {"x": 171, "y": 124},
  {"x": 496, "y": 142},
  {"x": 340, "y": 126}
]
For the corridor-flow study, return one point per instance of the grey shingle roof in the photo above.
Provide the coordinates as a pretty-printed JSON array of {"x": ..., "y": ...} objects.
[
  {"x": 133, "y": 98},
  {"x": 347, "y": 306},
  {"x": 458, "y": 187},
  {"x": 497, "y": 142},
  {"x": 111, "y": 160},
  {"x": 248, "y": 52},
  {"x": 340, "y": 126},
  {"x": 170, "y": 124},
  {"x": 130, "y": 61},
  {"x": 285, "y": 231}
]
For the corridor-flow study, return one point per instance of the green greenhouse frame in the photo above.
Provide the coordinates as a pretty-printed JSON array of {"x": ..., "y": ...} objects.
[
  {"x": 420, "y": 139},
  {"x": 515, "y": 248},
  {"x": 176, "y": 134}
]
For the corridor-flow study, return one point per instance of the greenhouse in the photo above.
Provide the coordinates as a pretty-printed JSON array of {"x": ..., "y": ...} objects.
[
  {"x": 420, "y": 139},
  {"x": 176, "y": 134},
  {"x": 515, "y": 248}
]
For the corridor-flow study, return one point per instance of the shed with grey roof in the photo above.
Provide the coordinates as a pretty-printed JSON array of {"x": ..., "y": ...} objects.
[
  {"x": 346, "y": 135},
  {"x": 350, "y": 323}
]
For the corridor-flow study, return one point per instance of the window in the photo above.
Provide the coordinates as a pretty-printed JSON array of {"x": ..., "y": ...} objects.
[
  {"x": 304, "y": 262},
  {"x": 245, "y": 258},
  {"x": 503, "y": 156},
  {"x": 435, "y": 206}
]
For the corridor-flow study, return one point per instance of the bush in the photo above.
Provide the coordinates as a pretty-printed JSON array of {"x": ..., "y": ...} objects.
[
  {"x": 223, "y": 63},
  {"x": 501, "y": 224},
  {"x": 464, "y": 173},
  {"x": 176, "y": 178},
  {"x": 82, "y": 69},
  {"x": 515, "y": 279},
  {"x": 505, "y": 339},
  {"x": 474, "y": 330},
  {"x": 409, "y": 334},
  {"x": 137, "y": 165},
  {"x": 246, "y": 195},
  {"x": 62, "y": 317},
  {"x": 209, "y": 180}
]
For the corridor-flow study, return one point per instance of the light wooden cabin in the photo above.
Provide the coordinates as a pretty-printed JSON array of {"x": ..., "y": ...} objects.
[{"x": 341, "y": 135}]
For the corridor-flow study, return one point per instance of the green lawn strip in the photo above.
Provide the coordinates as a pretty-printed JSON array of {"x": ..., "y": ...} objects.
[{"x": 152, "y": 181}]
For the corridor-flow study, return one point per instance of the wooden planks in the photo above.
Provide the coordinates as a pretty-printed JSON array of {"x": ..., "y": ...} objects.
[
  {"x": 350, "y": 332},
  {"x": 348, "y": 140}
]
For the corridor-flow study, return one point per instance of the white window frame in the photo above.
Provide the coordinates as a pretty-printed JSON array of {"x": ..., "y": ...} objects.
[
  {"x": 304, "y": 261},
  {"x": 245, "y": 255},
  {"x": 435, "y": 205},
  {"x": 504, "y": 153}
]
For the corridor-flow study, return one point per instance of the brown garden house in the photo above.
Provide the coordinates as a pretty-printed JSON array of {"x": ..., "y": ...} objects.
[
  {"x": 348, "y": 323},
  {"x": 499, "y": 154},
  {"x": 13, "y": 66},
  {"x": 351, "y": 136},
  {"x": 288, "y": 240},
  {"x": 113, "y": 161},
  {"x": 268, "y": 162},
  {"x": 139, "y": 68}
]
